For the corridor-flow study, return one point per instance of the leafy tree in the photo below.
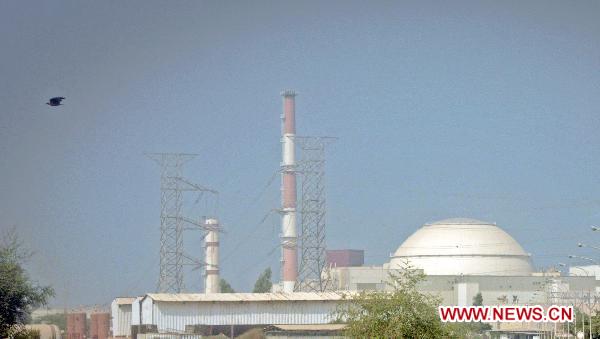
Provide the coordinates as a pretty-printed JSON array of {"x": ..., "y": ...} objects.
[
  {"x": 479, "y": 326},
  {"x": 402, "y": 313},
  {"x": 263, "y": 283},
  {"x": 225, "y": 287},
  {"x": 582, "y": 324},
  {"x": 18, "y": 294},
  {"x": 478, "y": 299}
]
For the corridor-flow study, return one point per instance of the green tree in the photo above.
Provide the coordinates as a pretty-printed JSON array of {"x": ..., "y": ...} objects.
[
  {"x": 263, "y": 283},
  {"x": 403, "y": 312},
  {"x": 225, "y": 287},
  {"x": 478, "y": 327},
  {"x": 18, "y": 294},
  {"x": 478, "y": 299},
  {"x": 582, "y": 321}
]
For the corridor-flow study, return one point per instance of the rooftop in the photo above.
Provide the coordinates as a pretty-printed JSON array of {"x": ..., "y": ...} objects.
[{"x": 241, "y": 297}]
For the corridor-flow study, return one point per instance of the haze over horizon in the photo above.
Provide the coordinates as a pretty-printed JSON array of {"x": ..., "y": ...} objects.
[{"x": 487, "y": 110}]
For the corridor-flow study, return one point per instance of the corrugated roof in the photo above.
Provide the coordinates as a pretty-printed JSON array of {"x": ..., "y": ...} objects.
[
  {"x": 124, "y": 301},
  {"x": 240, "y": 297}
]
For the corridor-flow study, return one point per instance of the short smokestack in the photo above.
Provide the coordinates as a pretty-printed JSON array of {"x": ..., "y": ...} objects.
[
  {"x": 211, "y": 244},
  {"x": 288, "y": 193}
]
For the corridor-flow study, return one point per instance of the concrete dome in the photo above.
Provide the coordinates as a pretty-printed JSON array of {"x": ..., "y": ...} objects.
[{"x": 463, "y": 247}]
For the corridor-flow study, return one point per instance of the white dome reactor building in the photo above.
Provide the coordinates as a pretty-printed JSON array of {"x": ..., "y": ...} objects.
[{"x": 463, "y": 247}]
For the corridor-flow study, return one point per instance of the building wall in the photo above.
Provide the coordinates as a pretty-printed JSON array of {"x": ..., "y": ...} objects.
[
  {"x": 585, "y": 270},
  {"x": 497, "y": 265},
  {"x": 345, "y": 258},
  {"x": 120, "y": 319},
  {"x": 136, "y": 311},
  {"x": 147, "y": 311},
  {"x": 360, "y": 278},
  {"x": 174, "y": 316}
]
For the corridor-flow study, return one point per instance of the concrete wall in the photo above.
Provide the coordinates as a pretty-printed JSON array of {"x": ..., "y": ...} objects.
[{"x": 459, "y": 290}]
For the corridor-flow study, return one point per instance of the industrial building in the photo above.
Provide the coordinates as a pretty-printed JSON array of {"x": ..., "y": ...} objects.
[
  {"x": 180, "y": 313},
  {"x": 585, "y": 271},
  {"x": 460, "y": 257}
]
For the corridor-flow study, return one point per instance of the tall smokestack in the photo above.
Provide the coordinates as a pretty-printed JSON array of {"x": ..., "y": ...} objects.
[
  {"x": 288, "y": 193},
  {"x": 211, "y": 277}
]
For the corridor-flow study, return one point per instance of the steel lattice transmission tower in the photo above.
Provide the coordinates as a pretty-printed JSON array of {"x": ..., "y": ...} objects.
[
  {"x": 311, "y": 169},
  {"x": 172, "y": 221}
]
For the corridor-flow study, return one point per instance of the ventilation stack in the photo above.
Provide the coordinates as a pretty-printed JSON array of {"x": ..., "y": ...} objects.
[
  {"x": 289, "y": 237},
  {"x": 211, "y": 277}
]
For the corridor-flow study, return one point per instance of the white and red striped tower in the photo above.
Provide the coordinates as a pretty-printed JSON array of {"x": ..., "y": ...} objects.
[{"x": 289, "y": 237}]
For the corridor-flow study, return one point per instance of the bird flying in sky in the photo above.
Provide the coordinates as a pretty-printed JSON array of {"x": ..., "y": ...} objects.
[{"x": 55, "y": 101}]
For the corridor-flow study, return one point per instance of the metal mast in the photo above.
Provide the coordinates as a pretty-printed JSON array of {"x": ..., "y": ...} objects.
[
  {"x": 172, "y": 221},
  {"x": 311, "y": 169}
]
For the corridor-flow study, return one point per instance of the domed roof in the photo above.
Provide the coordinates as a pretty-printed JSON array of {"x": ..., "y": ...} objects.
[
  {"x": 460, "y": 221},
  {"x": 463, "y": 246}
]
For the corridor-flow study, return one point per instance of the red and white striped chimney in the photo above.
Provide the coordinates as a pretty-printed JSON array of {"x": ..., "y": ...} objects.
[{"x": 288, "y": 193}]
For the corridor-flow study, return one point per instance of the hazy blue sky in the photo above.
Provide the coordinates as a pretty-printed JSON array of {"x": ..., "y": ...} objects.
[{"x": 477, "y": 109}]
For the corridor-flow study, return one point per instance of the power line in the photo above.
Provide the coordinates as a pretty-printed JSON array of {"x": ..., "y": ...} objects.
[
  {"x": 260, "y": 223},
  {"x": 172, "y": 222}
]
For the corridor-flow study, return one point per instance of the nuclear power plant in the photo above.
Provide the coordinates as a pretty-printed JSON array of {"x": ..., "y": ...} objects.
[{"x": 461, "y": 258}]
